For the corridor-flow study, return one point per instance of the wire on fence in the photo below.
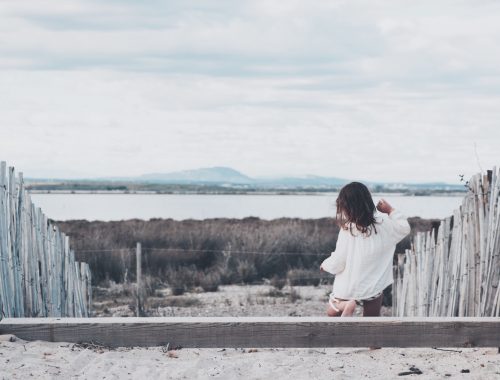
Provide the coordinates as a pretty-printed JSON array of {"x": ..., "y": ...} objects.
[{"x": 173, "y": 249}]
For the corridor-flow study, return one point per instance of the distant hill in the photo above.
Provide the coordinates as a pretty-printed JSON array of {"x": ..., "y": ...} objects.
[
  {"x": 224, "y": 175},
  {"x": 222, "y": 178},
  {"x": 219, "y": 175}
]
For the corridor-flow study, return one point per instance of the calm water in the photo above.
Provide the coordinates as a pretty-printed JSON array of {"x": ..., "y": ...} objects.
[{"x": 145, "y": 206}]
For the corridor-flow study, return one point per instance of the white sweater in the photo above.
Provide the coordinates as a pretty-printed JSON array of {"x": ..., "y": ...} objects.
[{"x": 362, "y": 265}]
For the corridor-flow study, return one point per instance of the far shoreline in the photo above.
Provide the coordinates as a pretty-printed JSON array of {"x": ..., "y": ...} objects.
[{"x": 441, "y": 193}]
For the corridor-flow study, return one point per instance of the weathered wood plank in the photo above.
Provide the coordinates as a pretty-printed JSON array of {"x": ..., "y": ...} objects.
[
  {"x": 262, "y": 331},
  {"x": 457, "y": 275},
  {"x": 38, "y": 273}
]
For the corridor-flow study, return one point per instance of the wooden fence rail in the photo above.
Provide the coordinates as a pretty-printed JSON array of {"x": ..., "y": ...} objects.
[
  {"x": 261, "y": 331},
  {"x": 455, "y": 272},
  {"x": 38, "y": 272}
]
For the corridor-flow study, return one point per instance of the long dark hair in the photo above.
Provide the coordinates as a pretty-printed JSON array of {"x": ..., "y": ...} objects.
[{"x": 355, "y": 207}]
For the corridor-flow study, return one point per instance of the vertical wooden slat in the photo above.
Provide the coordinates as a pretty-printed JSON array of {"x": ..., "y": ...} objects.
[
  {"x": 38, "y": 272},
  {"x": 5, "y": 290},
  {"x": 458, "y": 273}
]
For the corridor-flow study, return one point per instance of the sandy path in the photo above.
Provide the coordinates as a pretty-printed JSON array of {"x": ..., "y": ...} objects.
[
  {"x": 235, "y": 301},
  {"x": 42, "y": 360}
]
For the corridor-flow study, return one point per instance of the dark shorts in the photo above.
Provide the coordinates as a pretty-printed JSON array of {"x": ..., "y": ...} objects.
[{"x": 371, "y": 306}]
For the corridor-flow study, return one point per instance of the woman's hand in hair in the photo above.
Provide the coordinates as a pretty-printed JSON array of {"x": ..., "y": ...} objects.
[{"x": 384, "y": 207}]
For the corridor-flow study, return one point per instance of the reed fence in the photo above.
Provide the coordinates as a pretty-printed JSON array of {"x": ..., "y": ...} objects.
[
  {"x": 39, "y": 276},
  {"x": 455, "y": 271}
]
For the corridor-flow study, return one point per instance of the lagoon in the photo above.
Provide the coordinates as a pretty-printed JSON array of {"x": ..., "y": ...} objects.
[{"x": 113, "y": 206}]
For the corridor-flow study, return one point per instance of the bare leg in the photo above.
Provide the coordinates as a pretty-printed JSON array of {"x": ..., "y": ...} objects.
[
  {"x": 339, "y": 307},
  {"x": 332, "y": 313},
  {"x": 349, "y": 307}
]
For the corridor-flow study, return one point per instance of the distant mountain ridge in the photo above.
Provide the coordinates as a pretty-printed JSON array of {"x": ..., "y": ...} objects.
[
  {"x": 229, "y": 176},
  {"x": 221, "y": 175},
  {"x": 218, "y": 174}
]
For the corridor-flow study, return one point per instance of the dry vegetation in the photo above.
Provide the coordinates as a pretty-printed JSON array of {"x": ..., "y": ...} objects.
[
  {"x": 208, "y": 253},
  {"x": 230, "y": 300}
]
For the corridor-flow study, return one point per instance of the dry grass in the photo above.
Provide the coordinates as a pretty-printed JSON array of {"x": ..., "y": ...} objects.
[{"x": 211, "y": 252}]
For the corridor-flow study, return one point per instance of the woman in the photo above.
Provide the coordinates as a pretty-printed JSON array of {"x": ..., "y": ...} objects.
[{"x": 362, "y": 261}]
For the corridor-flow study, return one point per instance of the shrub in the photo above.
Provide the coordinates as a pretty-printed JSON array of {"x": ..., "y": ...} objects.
[
  {"x": 175, "y": 302},
  {"x": 278, "y": 282},
  {"x": 181, "y": 280},
  {"x": 226, "y": 266},
  {"x": 246, "y": 271},
  {"x": 151, "y": 284},
  {"x": 210, "y": 281},
  {"x": 203, "y": 244},
  {"x": 273, "y": 292},
  {"x": 293, "y": 296},
  {"x": 177, "y": 290},
  {"x": 302, "y": 277},
  {"x": 206, "y": 245}
]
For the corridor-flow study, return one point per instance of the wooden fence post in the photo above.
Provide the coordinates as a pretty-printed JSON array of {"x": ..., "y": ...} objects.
[{"x": 139, "y": 280}]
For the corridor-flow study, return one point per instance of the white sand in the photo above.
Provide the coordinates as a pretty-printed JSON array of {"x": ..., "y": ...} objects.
[
  {"x": 42, "y": 360},
  {"x": 231, "y": 301}
]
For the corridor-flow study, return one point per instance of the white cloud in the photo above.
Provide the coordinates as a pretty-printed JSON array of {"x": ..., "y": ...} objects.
[{"x": 356, "y": 89}]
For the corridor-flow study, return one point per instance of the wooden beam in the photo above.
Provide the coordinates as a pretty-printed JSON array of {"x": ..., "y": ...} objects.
[{"x": 262, "y": 331}]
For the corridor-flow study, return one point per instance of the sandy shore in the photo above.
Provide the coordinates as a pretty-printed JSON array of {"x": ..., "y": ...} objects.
[{"x": 42, "y": 360}]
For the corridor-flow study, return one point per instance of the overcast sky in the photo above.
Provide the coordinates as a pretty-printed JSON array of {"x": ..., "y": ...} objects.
[{"x": 375, "y": 90}]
